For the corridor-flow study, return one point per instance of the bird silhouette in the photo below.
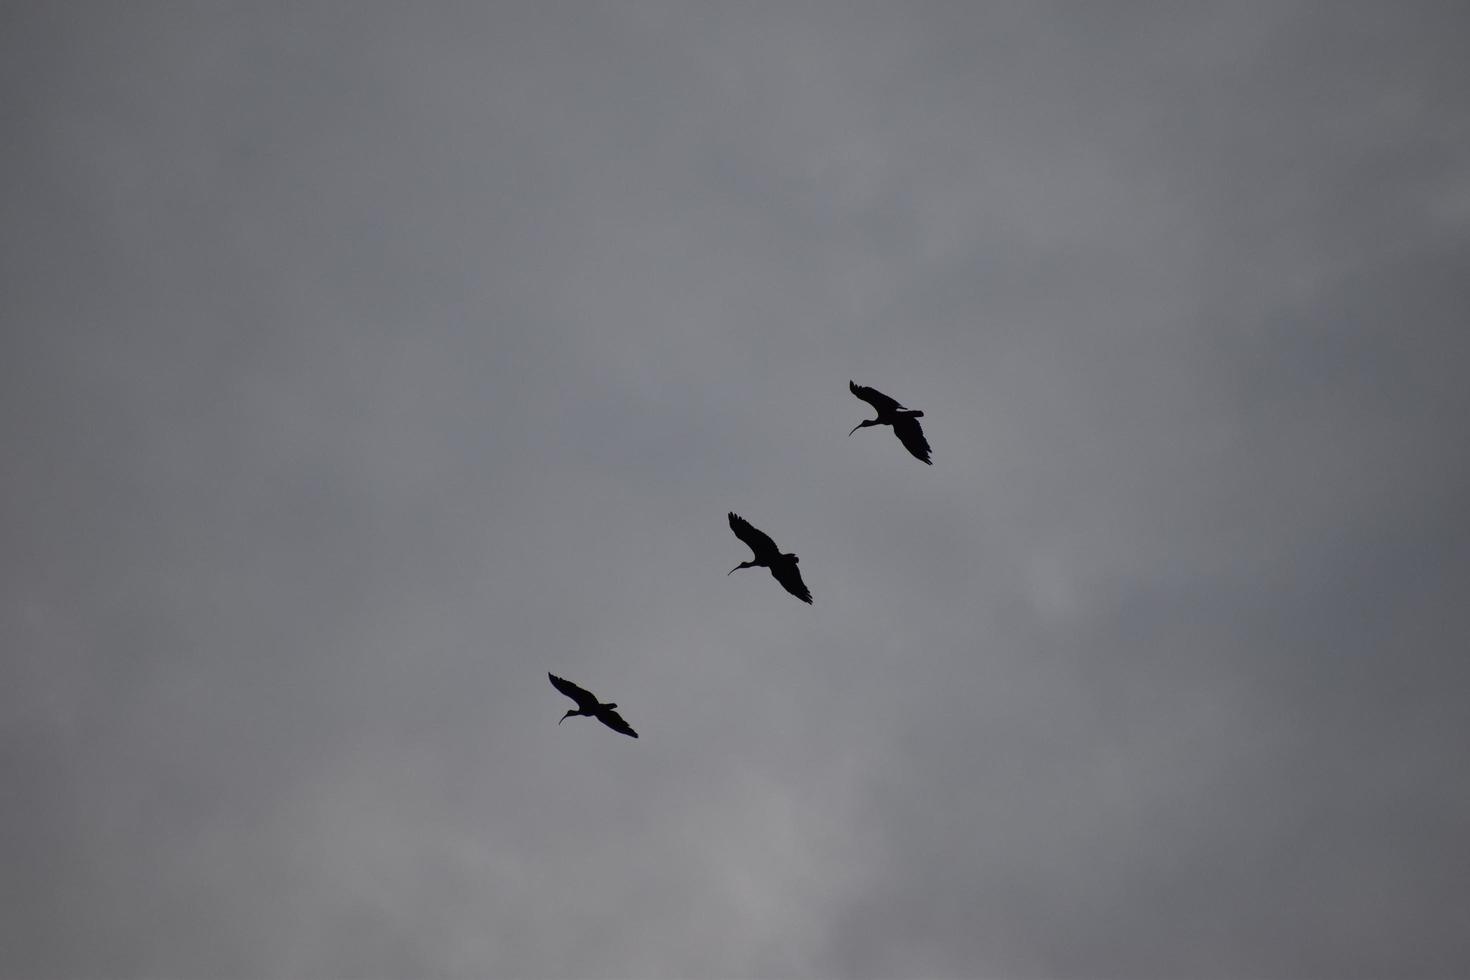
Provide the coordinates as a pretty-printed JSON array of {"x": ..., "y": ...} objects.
[
  {"x": 783, "y": 566},
  {"x": 904, "y": 420},
  {"x": 588, "y": 705}
]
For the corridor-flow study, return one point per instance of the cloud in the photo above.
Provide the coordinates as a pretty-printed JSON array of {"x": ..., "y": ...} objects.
[{"x": 365, "y": 365}]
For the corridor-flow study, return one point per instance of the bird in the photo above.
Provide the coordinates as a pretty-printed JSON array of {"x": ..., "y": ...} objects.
[
  {"x": 890, "y": 412},
  {"x": 783, "y": 566},
  {"x": 587, "y": 704}
]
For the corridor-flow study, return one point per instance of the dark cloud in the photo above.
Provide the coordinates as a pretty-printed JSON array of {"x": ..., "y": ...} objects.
[{"x": 363, "y": 364}]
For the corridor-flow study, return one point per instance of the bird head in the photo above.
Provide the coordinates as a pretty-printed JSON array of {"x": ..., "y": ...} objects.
[{"x": 567, "y": 715}]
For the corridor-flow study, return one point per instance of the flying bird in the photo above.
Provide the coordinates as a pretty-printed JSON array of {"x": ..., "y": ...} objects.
[
  {"x": 905, "y": 421},
  {"x": 588, "y": 705},
  {"x": 783, "y": 567}
]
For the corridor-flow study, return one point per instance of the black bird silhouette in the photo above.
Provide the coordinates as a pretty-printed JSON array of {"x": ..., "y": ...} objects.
[
  {"x": 783, "y": 567},
  {"x": 588, "y": 705},
  {"x": 904, "y": 420}
]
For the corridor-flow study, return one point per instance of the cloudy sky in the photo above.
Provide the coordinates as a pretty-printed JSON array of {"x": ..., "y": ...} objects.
[{"x": 362, "y": 362}]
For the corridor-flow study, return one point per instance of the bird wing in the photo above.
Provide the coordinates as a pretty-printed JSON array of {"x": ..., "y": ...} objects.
[
  {"x": 874, "y": 397},
  {"x": 759, "y": 541},
  {"x": 615, "y": 721},
  {"x": 789, "y": 576},
  {"x": 584, "y": 698},
  {"x": 912, "y": 436}
]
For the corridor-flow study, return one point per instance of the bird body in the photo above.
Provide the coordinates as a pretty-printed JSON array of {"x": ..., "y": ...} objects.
[
  {"x": 903, "y": 420},
  {"x": 782, "y": 565},
  {"x": 588, "y": 705}
]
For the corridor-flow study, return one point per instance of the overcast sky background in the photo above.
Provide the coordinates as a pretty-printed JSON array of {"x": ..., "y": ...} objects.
[{"x": 362, "y": 362}]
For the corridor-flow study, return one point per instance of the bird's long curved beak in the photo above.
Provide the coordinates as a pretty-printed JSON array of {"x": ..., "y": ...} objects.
[
  {"x": 733, "y": 570},
  {"x": 856, "y": 427}
]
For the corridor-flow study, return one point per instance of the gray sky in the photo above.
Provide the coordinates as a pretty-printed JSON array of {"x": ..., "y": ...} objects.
[{"x": 364, "y": 362}]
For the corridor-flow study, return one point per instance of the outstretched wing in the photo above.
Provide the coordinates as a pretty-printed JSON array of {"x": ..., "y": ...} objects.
[
  {"x": 585, "y": 700},
  {"x": 615, "y": 721},
  {"x": 789, "y": 576},
  {"x": 874, "y": 397},
  {"x": 912, "y": 436},
  {"x": 759, "y": 541}
]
